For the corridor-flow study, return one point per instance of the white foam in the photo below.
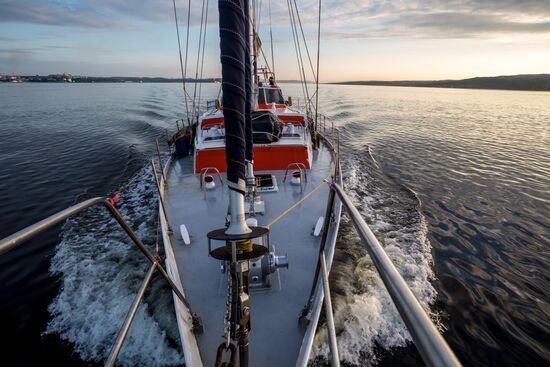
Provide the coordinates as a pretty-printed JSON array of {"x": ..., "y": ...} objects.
[
  {"x": 365, "y": 315},
  {"x": 101, "y": 271}
]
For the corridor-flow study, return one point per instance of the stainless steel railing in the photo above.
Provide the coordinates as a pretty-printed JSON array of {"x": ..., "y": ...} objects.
[
  {"x": 27, "y": 233},
  {"x": 431, "y": 345},
  {"x": 333, "y": 344}
]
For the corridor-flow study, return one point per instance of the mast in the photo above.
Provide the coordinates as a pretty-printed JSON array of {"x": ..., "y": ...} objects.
[
  {"x": 237, "y": 90},
  {"x": 233, "y": 56}
]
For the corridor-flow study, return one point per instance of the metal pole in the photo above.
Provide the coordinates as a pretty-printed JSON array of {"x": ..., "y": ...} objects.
[
  {"x": 328, "y": 214},
  {"x": 161, "y": 201},
  {"x": 130, "y": 317},
  {"x": 25, "y": 234},
  {"x": 160, "y": 161},
  {"x": 145, "y": 251},
  {"x": 431, "y": 345},
  {"x": 335, "y": 357},
  {"x": 28, "y": 232}
]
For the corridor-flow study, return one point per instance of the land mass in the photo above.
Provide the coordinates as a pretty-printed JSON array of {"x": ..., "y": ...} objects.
[
  {"x": 532, "y": 82},
  {"x": 69, "y": 78}
]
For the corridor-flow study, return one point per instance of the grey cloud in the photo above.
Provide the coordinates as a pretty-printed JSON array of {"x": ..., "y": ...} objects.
[
  {"x": 114, "y": 14},
  {"x": 437, "y": 19},
  {"x": 341, "y": 18}
]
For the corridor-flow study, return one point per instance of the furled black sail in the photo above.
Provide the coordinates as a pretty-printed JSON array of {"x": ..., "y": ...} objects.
[
  {"x": 233, "y": 55},
  {"x": 250, "y": 103}
]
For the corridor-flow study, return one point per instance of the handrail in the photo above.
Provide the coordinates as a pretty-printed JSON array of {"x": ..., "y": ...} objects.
[
  {"x": 431, "y": 345},
  {"x": 130, "y": 317},
  {"x": 27, "y": 233},
  {"x": 335, "y": 356}
]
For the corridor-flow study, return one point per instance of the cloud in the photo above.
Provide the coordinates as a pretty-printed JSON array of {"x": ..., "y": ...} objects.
[
  {"x": 425, "y": 19},
  {"x": 114, "y": 14},
  {"x": 341, "y": 18}
]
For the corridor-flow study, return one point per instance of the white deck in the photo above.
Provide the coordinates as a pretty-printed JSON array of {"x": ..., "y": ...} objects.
[{"x": 276, "y": 337}]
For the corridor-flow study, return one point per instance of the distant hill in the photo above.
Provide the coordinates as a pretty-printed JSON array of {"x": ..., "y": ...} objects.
[{"x": 533, "y": 82}]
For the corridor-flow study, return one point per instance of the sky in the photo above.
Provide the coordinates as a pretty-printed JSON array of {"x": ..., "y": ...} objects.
[{"x": 360, "y": 40}]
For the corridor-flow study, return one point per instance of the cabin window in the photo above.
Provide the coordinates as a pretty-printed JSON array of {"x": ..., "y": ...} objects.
[{"x": 270, "y": 95}]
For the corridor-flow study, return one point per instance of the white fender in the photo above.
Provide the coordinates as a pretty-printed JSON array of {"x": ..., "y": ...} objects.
[
  {"x": 318, "y": 226},
  {"x": 185, "y": 234}
]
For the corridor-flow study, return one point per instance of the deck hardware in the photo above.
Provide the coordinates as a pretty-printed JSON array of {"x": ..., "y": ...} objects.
[
  {"x": 203, "y": 175},
  {"x": 232, "y": 349},
  {"x": 296, "y": 178},
  {"x": 209, "y": 183},
  {"x": 301, "y": 168}
]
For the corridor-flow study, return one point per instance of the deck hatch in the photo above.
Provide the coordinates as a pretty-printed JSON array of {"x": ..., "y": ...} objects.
[{"x": 266, "y": 183}]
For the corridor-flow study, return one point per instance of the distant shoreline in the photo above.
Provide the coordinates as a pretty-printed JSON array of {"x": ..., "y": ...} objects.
[
  {"x": 68, "y": 78},
  {"x": 525, "y": 82}
]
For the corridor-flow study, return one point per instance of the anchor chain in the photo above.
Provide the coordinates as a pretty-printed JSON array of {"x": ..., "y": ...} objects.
[
  {"x": 232, "y": 355},
  {"x": 227, "y": 317}
]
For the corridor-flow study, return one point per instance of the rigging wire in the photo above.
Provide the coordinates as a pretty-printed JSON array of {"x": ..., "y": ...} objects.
[
  {"x": 304, "y": 38},
  {"x": 318, "y": 52},
  {"x": 271, "y": 36},
  {"x": 187, "y": 40},
  {"x": 185, "y": 94},
  {"x": 259, "y": 14},
  {"x": 203, "y": 52},
  {"x": 265, "y": 59},
  {"x": 298, "y": 53},
  {"x": 195, "y": 106}
]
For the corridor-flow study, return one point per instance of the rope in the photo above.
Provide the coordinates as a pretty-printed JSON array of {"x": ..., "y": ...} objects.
[{"x": 295, "y": 204}]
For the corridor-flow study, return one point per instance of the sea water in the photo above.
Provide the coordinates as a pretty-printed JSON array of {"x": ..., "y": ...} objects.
[{"x": 454, "y": 183}]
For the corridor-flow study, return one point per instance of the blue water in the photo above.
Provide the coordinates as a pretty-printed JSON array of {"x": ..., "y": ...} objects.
[{"x": 455, "y": 183}]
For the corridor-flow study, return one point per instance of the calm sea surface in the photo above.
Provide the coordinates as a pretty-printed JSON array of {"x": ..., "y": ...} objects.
[{"x": 455, "y": 184}]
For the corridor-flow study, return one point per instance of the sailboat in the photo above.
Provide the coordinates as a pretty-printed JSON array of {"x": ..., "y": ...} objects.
[
  {"x": 249, "y": 209},
  {"x": 247, "y": 213}
]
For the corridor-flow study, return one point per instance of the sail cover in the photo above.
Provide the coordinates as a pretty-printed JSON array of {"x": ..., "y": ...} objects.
[
  {"x": 250, "y": 100},
  {"x": 233, "y": 55}
]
